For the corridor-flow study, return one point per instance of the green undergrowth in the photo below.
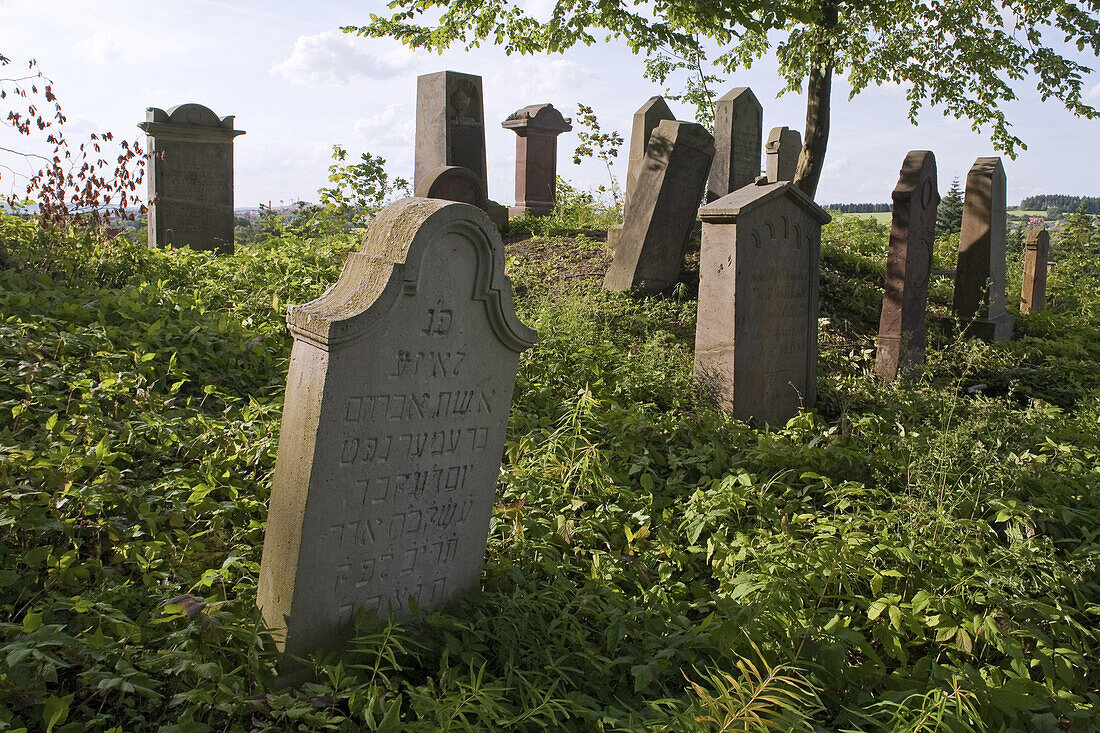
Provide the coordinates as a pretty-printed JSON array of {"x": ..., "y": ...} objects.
[{"x": 911, "y": 557}]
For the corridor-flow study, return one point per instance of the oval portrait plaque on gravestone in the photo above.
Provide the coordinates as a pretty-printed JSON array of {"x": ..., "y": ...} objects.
[{"x": 397, "y": 400}]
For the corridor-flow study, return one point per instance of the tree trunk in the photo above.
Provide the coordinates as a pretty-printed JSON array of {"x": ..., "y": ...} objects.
[{"x": 818, "y": 92}]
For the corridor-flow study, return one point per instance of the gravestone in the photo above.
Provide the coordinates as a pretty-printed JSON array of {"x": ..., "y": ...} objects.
[
  {"x": 738, "y": 120},
  {"x": 783, "y": 148},
  {"x": 661, "y": 213},
  {"x": 537, "y": 128},
  {"x": 979, "y": 301},
  {"x": 901, "y": 331},
  {"x": 450, "y": 125},
  {"x": 645, "y": 121},
  {"x": 397, "y": 400},
  {"x": 756, "y": 335},
  {"x": 1036, "y": 252},
  {"x": 453, "y": 183},
  {"x": 190, "y": 178}
]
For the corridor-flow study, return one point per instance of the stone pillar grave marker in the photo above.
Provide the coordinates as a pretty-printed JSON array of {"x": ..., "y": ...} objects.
[
  {"x": 398, "y": 394},
  {"x": 537, "y": 128},
  {"x": 190, "y": 178},
  {"x": 645, "y": 121},
  {"x": 784, "y": 146},
  {"x": 1036, "y": 253},
  {"x": 738, "y": 128},
  {"x": 902, "y": 335},
  {"x": 450, "y": 126}
]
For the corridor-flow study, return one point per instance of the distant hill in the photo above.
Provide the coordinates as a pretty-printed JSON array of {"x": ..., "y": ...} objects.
[
  {"x": 859, "y": 208},
  {"x": 1063, "y": 203}
]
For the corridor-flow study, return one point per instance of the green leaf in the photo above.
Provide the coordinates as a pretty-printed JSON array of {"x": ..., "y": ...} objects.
[{"x": 55, "y": 710}]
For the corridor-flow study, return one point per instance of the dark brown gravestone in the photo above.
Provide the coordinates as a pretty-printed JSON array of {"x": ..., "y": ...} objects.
[
  {"x": 661, "y": 212},
  {"x": 979, "y": 301},
  {"x": 450, "y": 125},
  {"x": 1036, "y": 252},
  {"x": 645, "y": 121},
  {"x": 738, "y": 120},
  {"x": 537, "y": 127},
  {"x": 191, "y": 178},
  {"x": 901, "y": 329},
  {"x": 397, "y": 400},
  {"x": 756, "y": 336},
  {"x": 783, "y": 148},
  {"x": 453, "y": 183}
]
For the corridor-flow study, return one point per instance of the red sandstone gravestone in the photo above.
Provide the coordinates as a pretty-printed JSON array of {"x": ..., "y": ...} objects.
[
  {"x": 738, "y": 120},
  {"x": 537, "y": 128},
  {"x": 450, "y": 125},
  {"x": 644, "y": 122},
  {"x": 783, "y": 148},
  {"x": 1036, "y": 251}
]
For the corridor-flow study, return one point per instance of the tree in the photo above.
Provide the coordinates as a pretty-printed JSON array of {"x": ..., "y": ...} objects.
[
  {"x": 949, "y": 215},
  {"x": 1079, "y": 228},
  {"x": 960, "y": 55}
]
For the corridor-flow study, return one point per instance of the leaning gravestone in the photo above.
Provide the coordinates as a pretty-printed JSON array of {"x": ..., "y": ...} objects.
[
  {"x": 1036, "y": 252},
  {"x": 661, "y": 212},
  {"x": 397, "y": 400},
  {"x": 537, "y": 128},
  {"x": 190, "y": 178},
  {"x": 738, "y": 120},
  {"x": 783, "y": 148},
  {"x": 645, "y": 121},
  {"x": 450, "y": 125},
  {"x": 756, "y": 335},
  {"x": 979, "y": 301},
  {"x": 901, "y": 330}
]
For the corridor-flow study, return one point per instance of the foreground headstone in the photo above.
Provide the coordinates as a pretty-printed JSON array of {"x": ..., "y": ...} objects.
[
  {"x": 450, "y": 125},
  {"x": 661, "y": 213},
  {"x": 902, "y": 335},
  {"x": 979, "y": 301},
  {"x": 190, "y": 178},
  {"x": 645, "y": 121},
  {"x": 756, "y": 336},
  {"x": 784, "y": 146},
  {"x": 537, "y": 128},
  {"x": 397, "y": 399},
  {"x": 1036, "y": 252},
  {"x": 738, "y": 127}
]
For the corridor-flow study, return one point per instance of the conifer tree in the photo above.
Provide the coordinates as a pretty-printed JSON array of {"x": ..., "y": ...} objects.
[{"x": 949, "y": 215}]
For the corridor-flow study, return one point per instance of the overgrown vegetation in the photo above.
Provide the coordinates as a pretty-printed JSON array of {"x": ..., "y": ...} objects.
[{"x": 914, "y": 557}]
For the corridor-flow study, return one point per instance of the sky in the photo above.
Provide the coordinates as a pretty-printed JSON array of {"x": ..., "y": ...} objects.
[{"x": 298, "y": 85}]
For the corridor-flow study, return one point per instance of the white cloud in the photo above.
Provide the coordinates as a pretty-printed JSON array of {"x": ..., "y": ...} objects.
[
  {"x": 1093, "y": 94},
  {"x": 335, "y": 59},
  {"x": 542, "y": 79},
  {"x": 393, "y": 126}
]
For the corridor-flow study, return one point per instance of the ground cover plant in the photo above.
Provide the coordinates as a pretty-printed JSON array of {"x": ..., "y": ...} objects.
[{"x": 908, "y": 557}]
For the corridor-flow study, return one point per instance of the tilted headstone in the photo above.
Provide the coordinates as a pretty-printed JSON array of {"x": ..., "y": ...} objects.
[
  {"x": 397, "y": 400},
  {"x": 979, "y": 301},
  {"x": 537, "y": 128},
  {"x": 646, "y": 119},
  {"x": 901, "y": 330},
  {"x": 453, "y": 183},
  {"x": 661, "y": 213},
  {"x": 783, "y": 148},
  {"x": 1036, "y": 252},
  {"x": 450, "y": 125},
  {"x": 190, "y": 178},
  {"x": 738, "y": 127},
  {"x": 756, "y": 335}
]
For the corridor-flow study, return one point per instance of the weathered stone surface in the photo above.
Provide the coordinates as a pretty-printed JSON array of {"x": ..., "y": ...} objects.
[
  {"x": 450, "y": 125},
  {"x": 784, "y": 146},
  {"x": 738, "y": 128},
  {"x": 901, "y": 331},
  {"x": 398, "y": 395},
  {"x": 646, "y": 119},
  {"x": 756, "y": 336},
  {"x": 979, "y": 301},
  {"x": 661, "y": 212},
  {"x": 537, "y": 128},
  {"x": 190, "y": 178},
  {"x": 453, "y": 183},
  {"x": 1036, "y": 252}
]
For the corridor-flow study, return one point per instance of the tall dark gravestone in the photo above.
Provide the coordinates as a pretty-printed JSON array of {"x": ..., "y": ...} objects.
[
  {"x": 190, "y": 178},
  {"x": 759, "y": 269},
  {"x": 979, "y": 301},
  {"x": 537, "y": 128},
  {"x": 1036, "y": 252},
  {"x": 783, "y": 148},
  {"x": 738, "y": 128},
  {"x": 450, "y": 126},
  {"x": 901, "y": 331},
  {"x": 397, "y": 400},
  {"x": 661, "y": 212},
  {"x": 644, "y": 122}
]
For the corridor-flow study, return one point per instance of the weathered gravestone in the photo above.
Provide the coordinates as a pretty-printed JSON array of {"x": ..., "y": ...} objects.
[
  {"x": 450, "y": 125},
  {"x": 1036, "y": 252},
  {"x": 645, "y": 121},
  {"x": 738, "y": 120},
  {"x": 901, "y": 329},
  {"x": 537, "y": 128},
  {"x": 756, "y": 335},
  {"x": 979, "y": 300},
  {"x": 453, "y": 183},
  {"x": 783, "y": 148},
  {"x": 661, "y": 212},
  {"x": 397, "y": 400},
  {"x": 190, "y": 178}
]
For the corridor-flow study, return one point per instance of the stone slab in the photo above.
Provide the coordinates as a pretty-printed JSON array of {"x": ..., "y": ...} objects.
[
  {"x": 1033, "y": 297},
  {"x": 783, "y": 148},
  {"x": 644, "y": 122},
  {"x": 738, "y": 129},
  {"x": 453, "y": 183},
  {"x": 450, "y": 125}
]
